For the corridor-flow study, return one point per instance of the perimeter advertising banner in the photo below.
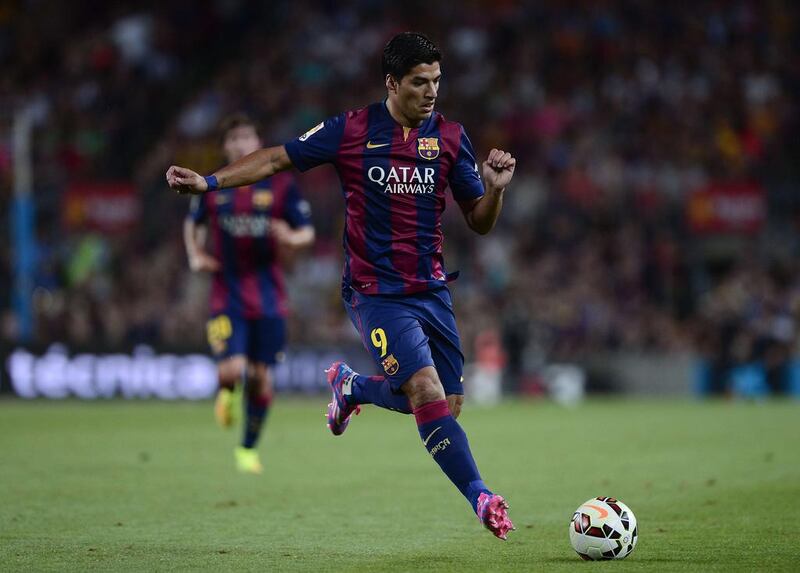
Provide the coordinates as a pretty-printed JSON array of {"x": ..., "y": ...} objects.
[
  {"x": 104, "y": 207},
  {"x": 727, "y": 208},
  {"x": 145, "y": 373}
]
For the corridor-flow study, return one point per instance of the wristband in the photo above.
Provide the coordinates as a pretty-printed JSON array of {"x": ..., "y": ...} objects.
[{"x": 212, "y": 183}]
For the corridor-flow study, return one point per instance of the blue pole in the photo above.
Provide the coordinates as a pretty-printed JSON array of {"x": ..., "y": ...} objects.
[
  {"x": 24, "y": 241},
  {"x": 23, "y": 237}
]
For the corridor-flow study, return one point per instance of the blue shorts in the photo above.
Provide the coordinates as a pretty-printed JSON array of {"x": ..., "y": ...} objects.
[
  {"x": 259, "y": 339},
  {"x": 405, "y": 333}
]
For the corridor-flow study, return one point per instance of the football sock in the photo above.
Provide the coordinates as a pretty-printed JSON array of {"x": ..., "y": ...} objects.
[
  {"x": 447, "y": 443},
  {"x": 377, "y": 390},
  {"x": 256, "y": 408}
]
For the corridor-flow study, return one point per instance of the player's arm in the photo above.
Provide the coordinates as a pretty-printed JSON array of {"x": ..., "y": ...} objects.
[
  {"x": 290, "y": 242},
  {"x": 317, "y": 146},
  {"x": 194, "y": 238},
  {"x": 295, "y": 239},
  {"x": 249, "y": 169},
  {"x": 481, "y": 213},
  {"x": 294, "y": 231}
]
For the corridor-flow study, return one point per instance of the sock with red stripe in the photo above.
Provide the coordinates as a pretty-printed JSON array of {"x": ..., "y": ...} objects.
[
  {"x": 256, "y": 409},
  {"x": 447, "y": 443},
  {"x": 377, "y": 390}
]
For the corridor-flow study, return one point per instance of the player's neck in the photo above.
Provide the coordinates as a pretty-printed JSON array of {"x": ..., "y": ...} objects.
[{"x": 399, "y": 117}]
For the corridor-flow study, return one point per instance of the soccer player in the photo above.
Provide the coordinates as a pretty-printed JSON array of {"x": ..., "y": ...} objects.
[
  {"x": 253, "y": 225},
  {"x": 395, "y": 159}
]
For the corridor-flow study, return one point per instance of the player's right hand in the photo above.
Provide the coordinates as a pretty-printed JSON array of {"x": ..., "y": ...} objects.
[
  {"x": 185, "y": 180},
  {"x": 203, "y": 262}
]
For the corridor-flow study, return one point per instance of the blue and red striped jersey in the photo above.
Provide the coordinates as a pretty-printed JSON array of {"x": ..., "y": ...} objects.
[
  {"x": 394, "y": 182},
  {"x": 250, "y": 282}
]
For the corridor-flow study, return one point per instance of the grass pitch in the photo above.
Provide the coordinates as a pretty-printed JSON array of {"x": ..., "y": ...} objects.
[{"x": 151, "y": 486}]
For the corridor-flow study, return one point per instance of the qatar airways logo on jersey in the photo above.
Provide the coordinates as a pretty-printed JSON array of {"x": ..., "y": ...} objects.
[
  {"x": 404, "y": 179},
  {"x": 245, "y": 225}
]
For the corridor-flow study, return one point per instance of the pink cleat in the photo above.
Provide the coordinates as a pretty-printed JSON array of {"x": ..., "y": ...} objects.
[
  {"x": 340, "y": 379},
  {"x": 493, "y": 514}
]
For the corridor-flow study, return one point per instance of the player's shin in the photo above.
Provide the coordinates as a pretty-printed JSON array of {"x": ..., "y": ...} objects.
[
  {"x": 377, "y": 390},
  {"x": 231, "y": 378},
  {"x": 256, "y": 408},
  {"x": 447, "y": 443}
]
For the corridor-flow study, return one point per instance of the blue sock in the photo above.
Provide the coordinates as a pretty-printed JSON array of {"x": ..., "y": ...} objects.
[
  {"x": 377, "y": 390},
  {"x": 447, "y": 443},
  {"x": 256, "y": 408}
]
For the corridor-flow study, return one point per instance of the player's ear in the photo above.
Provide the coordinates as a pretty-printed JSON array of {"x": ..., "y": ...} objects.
[{"x": 391, "y": 84}]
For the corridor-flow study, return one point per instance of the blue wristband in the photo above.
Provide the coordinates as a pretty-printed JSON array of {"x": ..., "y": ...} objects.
[{"x": 212, "y": 183}]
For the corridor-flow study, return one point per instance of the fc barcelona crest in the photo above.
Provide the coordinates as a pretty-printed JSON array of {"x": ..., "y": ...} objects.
[
  {"x": 262, "y": 199},
  {"x": 390, "y": 365},
  {"x": 428, "y": 147}
]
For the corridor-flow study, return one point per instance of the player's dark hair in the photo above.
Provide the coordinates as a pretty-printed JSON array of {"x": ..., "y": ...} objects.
[
  {"x": 405, "y": 51},
  {"x": 235, "y": 120}
]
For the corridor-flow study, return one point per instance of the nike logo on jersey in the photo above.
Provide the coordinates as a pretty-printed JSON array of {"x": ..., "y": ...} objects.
[
  {"x": 428, "y": 439},
  {"x": 371, "y": 145}
]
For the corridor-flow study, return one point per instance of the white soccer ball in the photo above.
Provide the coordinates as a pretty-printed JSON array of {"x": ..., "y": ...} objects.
[{"x": 603, "y": 528}]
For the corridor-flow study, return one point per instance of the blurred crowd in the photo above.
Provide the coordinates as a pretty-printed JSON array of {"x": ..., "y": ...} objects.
[{"x": 616, "y": 112}]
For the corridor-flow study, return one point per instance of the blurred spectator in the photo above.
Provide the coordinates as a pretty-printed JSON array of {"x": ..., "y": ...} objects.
[{"x": 616, "y": 111}]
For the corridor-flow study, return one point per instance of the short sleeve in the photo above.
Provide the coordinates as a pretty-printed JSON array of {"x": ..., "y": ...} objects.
[
  {"x": 464, "y": 177},
  {"x": 298, "y": 210},
  {"x": 198, "y": 211},
  {"x": 318, "y": 145}
]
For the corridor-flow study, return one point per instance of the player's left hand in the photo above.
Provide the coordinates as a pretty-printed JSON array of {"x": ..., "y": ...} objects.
[
  {"x": 282, "y": 232},
  {"x": 498, "y": 169}
]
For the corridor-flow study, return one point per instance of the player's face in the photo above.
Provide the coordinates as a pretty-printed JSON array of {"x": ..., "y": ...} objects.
[
  {"x": 415, "y": 94},
  {"x": 240, "y": 141}
]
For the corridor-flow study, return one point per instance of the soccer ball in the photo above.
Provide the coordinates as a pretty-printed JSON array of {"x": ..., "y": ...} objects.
[{"x": 603, "y": 528}]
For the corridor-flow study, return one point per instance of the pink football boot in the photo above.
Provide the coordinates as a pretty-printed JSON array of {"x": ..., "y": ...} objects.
[
  {"x": 340, "y": 379},
  {"x": 492, "y": 512}
]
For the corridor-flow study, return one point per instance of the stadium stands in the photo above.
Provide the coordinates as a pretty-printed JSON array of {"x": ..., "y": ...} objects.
[{"x": 655, "y": 206}]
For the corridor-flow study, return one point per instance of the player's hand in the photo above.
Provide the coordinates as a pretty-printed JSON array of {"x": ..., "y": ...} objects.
[
  {"x": 498, "y": 169},
  {"x": 185, "y": 180},
  {"x": 283, "y": 235},
  {"x": 282, "y": 232},
  {"x": 202, "y": 261}
]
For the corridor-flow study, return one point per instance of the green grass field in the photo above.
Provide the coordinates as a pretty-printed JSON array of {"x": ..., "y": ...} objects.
[{"x": 151, "y": 487}]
